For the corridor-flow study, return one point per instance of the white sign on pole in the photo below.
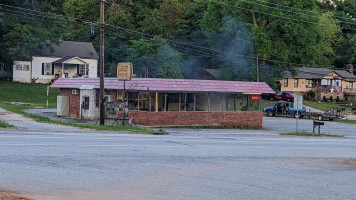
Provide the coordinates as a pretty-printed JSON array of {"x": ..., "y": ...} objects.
[{"x": 298, "y": 101}]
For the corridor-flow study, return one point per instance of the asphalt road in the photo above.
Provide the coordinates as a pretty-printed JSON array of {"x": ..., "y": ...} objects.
[{"x": 187, "y": 164}]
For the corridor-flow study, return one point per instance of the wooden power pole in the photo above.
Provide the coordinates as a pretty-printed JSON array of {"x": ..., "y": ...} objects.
[
  {"x": 101, "y": 94},
  {"x": 257, "y": 70}
]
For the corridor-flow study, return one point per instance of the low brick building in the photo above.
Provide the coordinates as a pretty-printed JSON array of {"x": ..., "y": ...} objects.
[{"x": 166, "y": 102}]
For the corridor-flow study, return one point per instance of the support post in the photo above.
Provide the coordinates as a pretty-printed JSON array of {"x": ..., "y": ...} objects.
[
  {"x": 138, "y": 101},
  {"x": 194, "y": 103},
  {"x": 165, "y": 102},
  {"x": 101, "y": 94},
  {"x": 150, "y": 102},
  {"x": 156, "y": 107},
  {"x": 208, "y": 102},
  {"x": 180, "y": 99},
  {"x": 185, "y": 102},
  {"x": 222, "y": 102}
]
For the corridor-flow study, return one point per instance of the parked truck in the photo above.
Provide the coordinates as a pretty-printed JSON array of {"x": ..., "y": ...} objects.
[{"x": 284, "y": 108}]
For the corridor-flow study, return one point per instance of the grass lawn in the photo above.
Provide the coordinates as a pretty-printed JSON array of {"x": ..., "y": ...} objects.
[
  {"x": 306, "y": 134},
  {"x": 28, "y": 93},
  {"x": 5, "y": 125},
  {"x": 324, "y": 106},
  {"x": 36, "y": 94}
]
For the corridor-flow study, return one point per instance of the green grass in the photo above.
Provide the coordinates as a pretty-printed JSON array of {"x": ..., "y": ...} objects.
[
  {"x": 214, "y": 127},
  {"x": 28, "y": 93},
  {"x": 307, "y": 134},
  {"x": 323, "y": 106},
  {"x": 37, "y": 94},
  {"x": 5, "y": 125},
  {"x": 346, "y": 121}
]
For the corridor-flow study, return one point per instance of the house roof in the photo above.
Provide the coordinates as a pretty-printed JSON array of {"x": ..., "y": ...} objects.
[
  {"x": 67, "y": 58},
  {"x": 167, "y": 85},
  {"x": 213, "y": 72},
  {"x": 69, "y": 49},
  {"x": 318, "y": 73}
]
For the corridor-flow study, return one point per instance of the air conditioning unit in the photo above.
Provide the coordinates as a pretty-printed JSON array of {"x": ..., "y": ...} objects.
[{"x": 75, "y": 91}]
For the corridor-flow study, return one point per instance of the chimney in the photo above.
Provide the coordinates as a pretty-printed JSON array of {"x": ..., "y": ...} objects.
[{"x": 350, "y": 68}]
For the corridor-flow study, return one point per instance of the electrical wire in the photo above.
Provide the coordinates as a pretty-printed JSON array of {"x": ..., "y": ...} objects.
[{"x": 148, "y": 35}]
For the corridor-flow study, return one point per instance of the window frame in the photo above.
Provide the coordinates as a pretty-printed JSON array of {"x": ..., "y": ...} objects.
[
  {"x": 285, "y": 84},
  {"x": 296, "y": 83},
  {"x": 18, "y": 67},
  {"x": 26, "y": 66}
]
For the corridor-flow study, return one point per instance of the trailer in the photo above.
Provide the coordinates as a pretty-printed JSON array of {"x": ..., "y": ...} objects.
[{"x": 330, "y": 114}]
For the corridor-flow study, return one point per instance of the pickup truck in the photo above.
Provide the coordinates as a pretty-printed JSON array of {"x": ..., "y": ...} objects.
[{"x": 284, "y": 108}]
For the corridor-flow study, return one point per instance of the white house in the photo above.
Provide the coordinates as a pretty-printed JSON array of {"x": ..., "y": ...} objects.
[{"x": 69, "y": 59}]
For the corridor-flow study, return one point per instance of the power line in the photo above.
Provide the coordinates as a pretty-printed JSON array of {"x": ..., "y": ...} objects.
[
  {"x": 148, "y": 35},
  {"x": 278, "y": 16},
  {"x": 318, "y": 15},
  {"x": 302, "y": 10}
]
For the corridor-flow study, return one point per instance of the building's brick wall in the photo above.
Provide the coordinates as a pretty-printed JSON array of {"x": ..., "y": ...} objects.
[
  {"x": 245, "y": 118},
  {"x": 320, "y": 95},
  {"x": 74, "y": 101}
]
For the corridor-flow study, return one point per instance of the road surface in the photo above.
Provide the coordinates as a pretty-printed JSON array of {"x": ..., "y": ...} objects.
[{"x": 187, "y": 164}]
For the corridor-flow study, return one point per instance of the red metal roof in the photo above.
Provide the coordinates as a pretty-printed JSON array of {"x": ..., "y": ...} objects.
[{"x": 167, "y": 85}]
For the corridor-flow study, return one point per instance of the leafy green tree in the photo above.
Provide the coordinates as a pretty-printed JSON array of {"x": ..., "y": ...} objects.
[{"x": 168, "y": 63}]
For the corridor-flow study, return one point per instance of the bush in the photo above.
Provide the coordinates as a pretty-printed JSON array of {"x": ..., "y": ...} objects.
[
  {"x": 311, "y": 95},
  {"x": 325, "y": 99},
  {"x": 338, "y": 99},
  {"x": 331, "y": 99}
]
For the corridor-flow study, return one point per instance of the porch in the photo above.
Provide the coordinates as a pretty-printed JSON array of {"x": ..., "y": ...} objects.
[{"x": 70, "y": 67}]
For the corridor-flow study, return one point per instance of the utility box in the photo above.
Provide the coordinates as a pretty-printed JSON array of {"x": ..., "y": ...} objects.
[{"x": 63, "y": 106}]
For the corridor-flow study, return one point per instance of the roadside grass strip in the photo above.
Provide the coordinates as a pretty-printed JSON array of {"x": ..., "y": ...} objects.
[
  {"x": 5, "y": 125},
  {"x": 307, "y": 134},
  {"x": 42, "y": 119}
]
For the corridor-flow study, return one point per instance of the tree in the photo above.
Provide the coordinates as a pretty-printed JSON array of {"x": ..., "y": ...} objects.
[{"x": 168, "y": 61}]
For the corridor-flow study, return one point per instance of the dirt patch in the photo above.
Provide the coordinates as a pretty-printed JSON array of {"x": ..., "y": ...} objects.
[{"x": 11, "y": 196}]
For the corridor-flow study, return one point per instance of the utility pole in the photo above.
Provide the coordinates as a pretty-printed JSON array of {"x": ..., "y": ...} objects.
[
  {"x": 258, "y": 73},
  {"x": 101, "y": 94}
]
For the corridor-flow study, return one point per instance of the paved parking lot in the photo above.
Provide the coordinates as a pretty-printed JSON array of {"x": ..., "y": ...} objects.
[{"x": 282, "y": 124}]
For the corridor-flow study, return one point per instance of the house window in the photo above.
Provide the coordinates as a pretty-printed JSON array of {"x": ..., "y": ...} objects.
[
  {"x": 18, "y": 67},
  {"x": 82, "y": 69},
  {"x": 351, "y": 84},
  {"x": 46, "y": 69},
  {"x": 26, "y": 67},
  {"x": 285, "y": 82},
  {"x": 310, "y": 83},
  {"x": 296, "y": 83}
]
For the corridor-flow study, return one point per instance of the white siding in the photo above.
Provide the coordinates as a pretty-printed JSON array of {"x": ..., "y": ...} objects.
[
  {"x": 93, "y": 67},
  {"x": 21, "y": 75},
  {"x": 37, "y": 68},
  {"x": 91, "y": 113}
]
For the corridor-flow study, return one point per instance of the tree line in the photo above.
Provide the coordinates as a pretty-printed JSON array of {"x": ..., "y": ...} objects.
[{"x": 179, "y": 38}]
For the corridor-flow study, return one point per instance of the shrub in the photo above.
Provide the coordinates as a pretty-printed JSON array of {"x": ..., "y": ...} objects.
[
  {"x": 311, "y": 95},
  {"x": 338, "y": 99},
  {"x": 325, "y": 99},
  {"x": 331, "y": 99}
]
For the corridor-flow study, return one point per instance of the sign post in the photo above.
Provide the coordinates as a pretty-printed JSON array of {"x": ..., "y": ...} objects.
[
  {"x": 298, "y": 104},
  {"x": 124, "y": 73}
]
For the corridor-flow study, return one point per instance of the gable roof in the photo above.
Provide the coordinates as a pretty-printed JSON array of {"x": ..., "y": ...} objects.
[
  {"x": 318, "y": 73},
  {"x": 167, "y": 85},
  {"x": 68, "y": 59},
  {"x": 215, "y": 73},
  {"x": 69, "y": 49}
]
